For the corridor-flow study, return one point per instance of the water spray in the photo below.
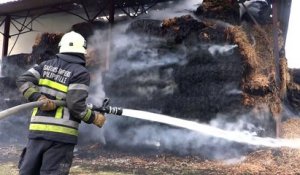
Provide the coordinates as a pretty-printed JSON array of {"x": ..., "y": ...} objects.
[{"x": 235, "y": 136}]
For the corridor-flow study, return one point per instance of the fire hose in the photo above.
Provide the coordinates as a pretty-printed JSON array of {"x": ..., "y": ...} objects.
[{"x": 105, "y": 109}]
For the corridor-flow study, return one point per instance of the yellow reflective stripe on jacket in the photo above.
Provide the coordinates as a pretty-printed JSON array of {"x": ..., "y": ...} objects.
[
  {"x": 34, "y": 111},
  {"x": 59, "y": 112},
  {"x": 29, "y": 92},
  {"x": 54, "y": 85},
  {"x": 25, "y": 86},
  {"x": 53, "y": 128}
]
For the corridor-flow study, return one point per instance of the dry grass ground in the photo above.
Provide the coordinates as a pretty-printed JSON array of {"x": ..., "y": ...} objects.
[
  {"x": 94, "y": 160},
  {"x": 8, "y": 168},
  {"x": 102, "y": 162}
]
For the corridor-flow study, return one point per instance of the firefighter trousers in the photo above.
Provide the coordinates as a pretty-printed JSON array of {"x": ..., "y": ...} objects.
[{"x": 43, "y": 157}]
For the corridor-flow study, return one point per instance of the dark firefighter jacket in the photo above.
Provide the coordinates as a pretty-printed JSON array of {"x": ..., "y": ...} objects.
[{"x": 62, "y": 78}]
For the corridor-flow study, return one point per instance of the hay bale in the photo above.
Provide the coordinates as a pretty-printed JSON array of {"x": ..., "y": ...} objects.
[
  {"x": 45, "y": 47},
  {"x": 248, "y": 52},
  {"x": 226, "y": 10}
]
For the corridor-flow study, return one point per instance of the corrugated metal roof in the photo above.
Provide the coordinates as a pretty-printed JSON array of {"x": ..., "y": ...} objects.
[
  {"x": 17, "y": 6},
  {"x": 25, "y": 5}
]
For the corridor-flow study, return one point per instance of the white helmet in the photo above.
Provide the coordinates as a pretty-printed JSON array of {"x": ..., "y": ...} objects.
[{"x": 72, "y": 42}]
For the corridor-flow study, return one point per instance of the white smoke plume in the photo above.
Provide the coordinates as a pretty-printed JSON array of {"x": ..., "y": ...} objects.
[
  {"x": 183, "y": 141},
  {"x": 181, "y": 8},
  {"x": 127, "y": 52},
  {"x": 221, "y": 49}
]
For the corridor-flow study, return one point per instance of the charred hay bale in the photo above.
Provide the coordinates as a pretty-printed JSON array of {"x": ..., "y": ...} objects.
[
  {"x": 216, "y": 54},
  {"x": 208, "y": 79},
  {"x": 207, "y": 83},
  {"x": 258, "y": 84},
  {"x": 203, "y": 108},
  {"x": 85, "y": 29},
  {"x": 202, "y": 101},
  {"x": 295, "y": 75},
  {"x": 145, "y": 26},
  {"x": 293, "y": 90},
  {"x": 201, "y": 89},
  {"x": 158, "y": 90},
  {"x": 179, "y": 28},
  {"x": 211, "y": 35},
  {"x": 293, "y": 97},
  {"x": 227, "y": 10},
  {"x": 145, "y": 84},
  {"x": 174, "y": 30},
  {"x": 207, "y": 73}
]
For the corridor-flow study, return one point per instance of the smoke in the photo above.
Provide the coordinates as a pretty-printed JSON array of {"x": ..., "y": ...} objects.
[
  {"x": 221, "y": 49},
  {"x": 242, "y": 124},
  {"x": 128, "y": 54},
  {"x": 181, "y": 8},
  {"x": 14, "y": 130},
  {"x": 164, "y": 138}
]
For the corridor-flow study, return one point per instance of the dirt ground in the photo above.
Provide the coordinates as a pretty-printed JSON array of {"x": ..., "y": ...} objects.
[{"x": 94, "y": 160}]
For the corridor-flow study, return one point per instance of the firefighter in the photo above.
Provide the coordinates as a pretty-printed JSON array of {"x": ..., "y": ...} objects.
[{"x": 53, "y": 130}]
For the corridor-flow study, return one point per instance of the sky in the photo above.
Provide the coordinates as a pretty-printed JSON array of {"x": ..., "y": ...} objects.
[
  {"x": 293, "y": 37},
  {"x": 5, "y": 1}
]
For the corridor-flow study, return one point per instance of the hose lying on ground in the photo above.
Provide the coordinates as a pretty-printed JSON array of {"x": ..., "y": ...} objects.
[{"x": 19, "y": 108}]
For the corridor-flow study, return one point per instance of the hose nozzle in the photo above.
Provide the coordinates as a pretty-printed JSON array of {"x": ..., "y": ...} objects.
[
  {"x": 112, "y": 110},
  {"x": 106, "y": 109}
]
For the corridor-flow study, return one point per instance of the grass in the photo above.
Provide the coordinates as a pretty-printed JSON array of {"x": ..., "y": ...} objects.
[
  {"x": 10, "y": 168},
  {"x": 77, "y": 170}
]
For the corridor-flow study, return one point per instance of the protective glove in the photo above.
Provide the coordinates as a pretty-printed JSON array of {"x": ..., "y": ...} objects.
[
  {"x": 99, "y": 119},
  {"x": 48, "y": 105}
]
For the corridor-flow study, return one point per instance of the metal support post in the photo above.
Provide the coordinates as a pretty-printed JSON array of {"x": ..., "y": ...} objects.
[{"x": 6, "y": 36}]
